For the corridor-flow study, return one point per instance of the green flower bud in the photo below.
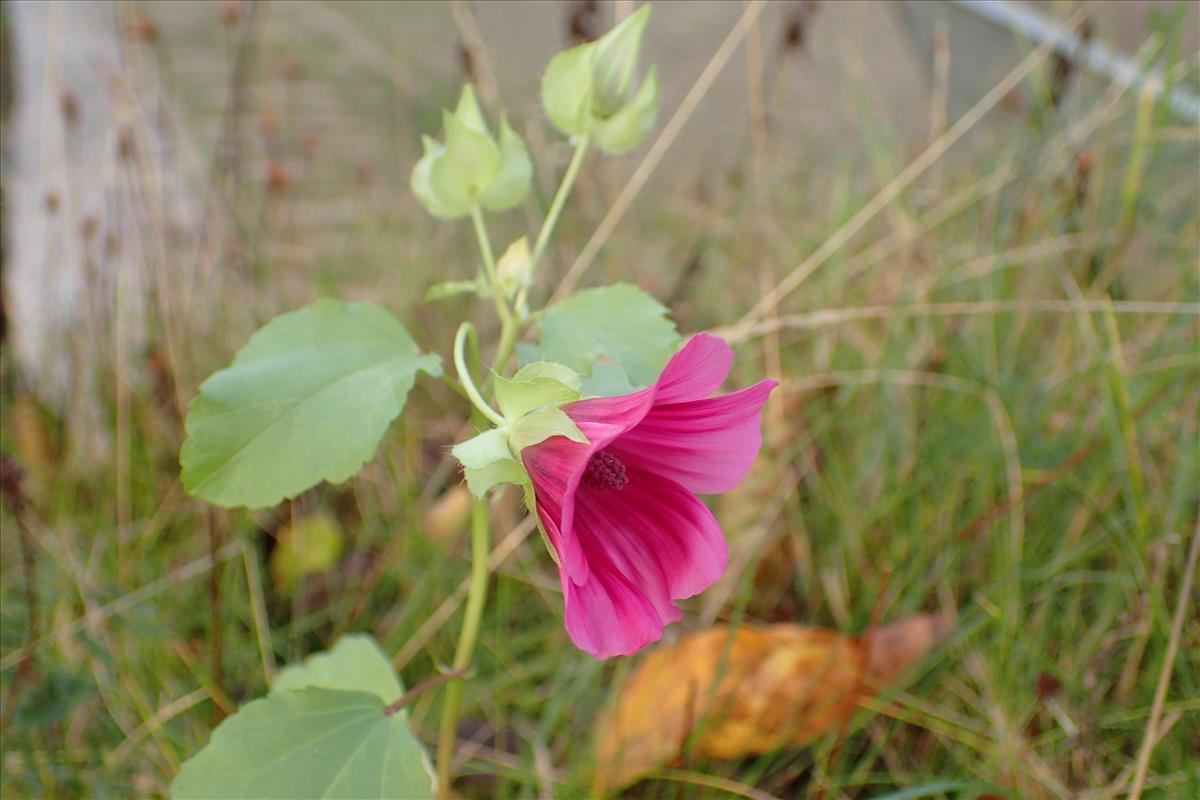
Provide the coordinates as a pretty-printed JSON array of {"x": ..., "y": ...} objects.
[
  {"x": 592, "y": 89},
  {"x": 471, "y": 168},
  {"x": 514, "y": 270},
  {"x": 626, "y": 129},
  {"x": 614, "y": 67}
]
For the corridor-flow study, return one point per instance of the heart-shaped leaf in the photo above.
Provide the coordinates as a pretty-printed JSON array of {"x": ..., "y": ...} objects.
[{"x": 307, "y": 399}]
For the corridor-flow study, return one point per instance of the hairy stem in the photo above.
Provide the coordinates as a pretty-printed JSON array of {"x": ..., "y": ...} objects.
[
  {"x": 464, "y": 375},
  {"x": 447, "y": 736}
]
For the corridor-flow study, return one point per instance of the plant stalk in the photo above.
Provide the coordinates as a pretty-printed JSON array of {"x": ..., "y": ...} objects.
[
  {"x": 477, "y": 593},
  {"x": 556, "y": 207},
  {"x": 480, "y": 523},
  {"x": 489, "y": 265},
  {"x": 464, "y": 375}
]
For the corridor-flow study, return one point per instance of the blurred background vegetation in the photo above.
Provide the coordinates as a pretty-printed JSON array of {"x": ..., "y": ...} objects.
[{"x": 989, "y": 369}]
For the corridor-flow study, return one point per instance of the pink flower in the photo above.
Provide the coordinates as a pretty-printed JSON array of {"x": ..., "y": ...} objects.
[{"x": 621, "y": 513}]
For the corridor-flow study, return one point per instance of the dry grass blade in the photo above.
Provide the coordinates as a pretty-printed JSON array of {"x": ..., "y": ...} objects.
[
  {"x": 128, "y": 601},
  {"x": 1164, "y": 677},
  {"x": 914, "y": 170},
  {"x": 837, "y": 316}
]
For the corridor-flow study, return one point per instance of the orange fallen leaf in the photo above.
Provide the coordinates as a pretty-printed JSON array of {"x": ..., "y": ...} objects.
[{"x": 729, "y": 693}]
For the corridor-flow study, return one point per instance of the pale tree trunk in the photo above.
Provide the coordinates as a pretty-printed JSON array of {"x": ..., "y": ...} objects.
[{"x": 99, "y": 222}]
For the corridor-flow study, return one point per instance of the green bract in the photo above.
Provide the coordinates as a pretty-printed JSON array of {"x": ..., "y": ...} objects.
[
  {"x": 471, "y": 168},
  {"x": 592, "y": 90},
  {"x": 531, "y": 402}
]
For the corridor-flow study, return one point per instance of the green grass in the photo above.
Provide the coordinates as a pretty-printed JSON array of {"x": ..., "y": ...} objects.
[{"x": 1033, "y": 471}]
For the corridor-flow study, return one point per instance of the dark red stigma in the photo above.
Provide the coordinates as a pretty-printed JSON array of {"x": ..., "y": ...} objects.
[{"x": 605, "y": 471}]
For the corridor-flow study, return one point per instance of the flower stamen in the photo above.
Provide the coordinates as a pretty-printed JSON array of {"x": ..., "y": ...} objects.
[{"x": 605, "y": 471}]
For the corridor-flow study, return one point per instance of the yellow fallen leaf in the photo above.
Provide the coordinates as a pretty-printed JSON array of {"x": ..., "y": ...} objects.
[
  {"x": 730, "y": 693},
  {"x": 308, "y": 546}
]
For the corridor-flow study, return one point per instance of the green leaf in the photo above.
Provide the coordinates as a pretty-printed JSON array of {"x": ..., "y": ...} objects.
[
  {"x": 487, "y": 461},
  {"x": 441, "y": 291},
  {"x": 307, "y": 399},
  {"x": 630, "y": 126},
  {"x": 355, "y": 664},
  {"x": 539, "y": 426},
  {"x": 309, "y": 743},
  {"x": 615, "y": 63},
  {"x": 321, "y": 732},
  {"x": 511, "y": 183},
  {"x": 608, "y": 379},
  {"x": 468, "y": 166},
  {"x": 536, "y": 386},
  {"x": 620, "y": 322},
  {"x": 567, "y": 89}
]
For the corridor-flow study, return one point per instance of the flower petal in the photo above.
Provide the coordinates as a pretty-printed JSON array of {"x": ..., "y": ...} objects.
[
  {"x": 647, "y": 545},
  {"x": 556, "y": 465},
  {"x": 607, "y": 616},
  {"x": 696, "y": 371},
  {"x": 705, "y": 445}
]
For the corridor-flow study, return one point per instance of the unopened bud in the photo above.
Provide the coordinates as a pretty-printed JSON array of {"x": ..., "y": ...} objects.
[
  {"x": 471, "y": 168},
  {"x": 614, "y": 68},
  {"x": 593, "y": 89}
]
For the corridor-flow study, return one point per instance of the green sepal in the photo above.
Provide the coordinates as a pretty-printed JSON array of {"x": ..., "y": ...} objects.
[
  {"x": 421, "y": 181},
  {"x": 467, "y": 168},
  {"x": 567, "y": 89},
  {"x": 539, "y": 426},
  {"x": 614, "y": 66},
  {"x": 536, "y": 386},
  {"x": 629, "y": 127},
  {"x": 479, "y": 481},
  {"x": 511, "y": 182},
  {"x": 487, "y": 461},
  {"x": 469, "y": 113}
]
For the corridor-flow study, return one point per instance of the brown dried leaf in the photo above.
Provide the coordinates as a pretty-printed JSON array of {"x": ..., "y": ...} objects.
[{"x": 730, "y": 693}]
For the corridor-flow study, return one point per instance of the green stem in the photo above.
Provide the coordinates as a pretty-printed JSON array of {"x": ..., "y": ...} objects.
[
  {"x": 489, "y": 264},
  {"x": 556, "y": 207},
  {"x": 508, "y": 340},
  {"x": 480, "y": 523},
  {"x": 447, "y": 735},
  {"x": 464, "y": 376}
]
